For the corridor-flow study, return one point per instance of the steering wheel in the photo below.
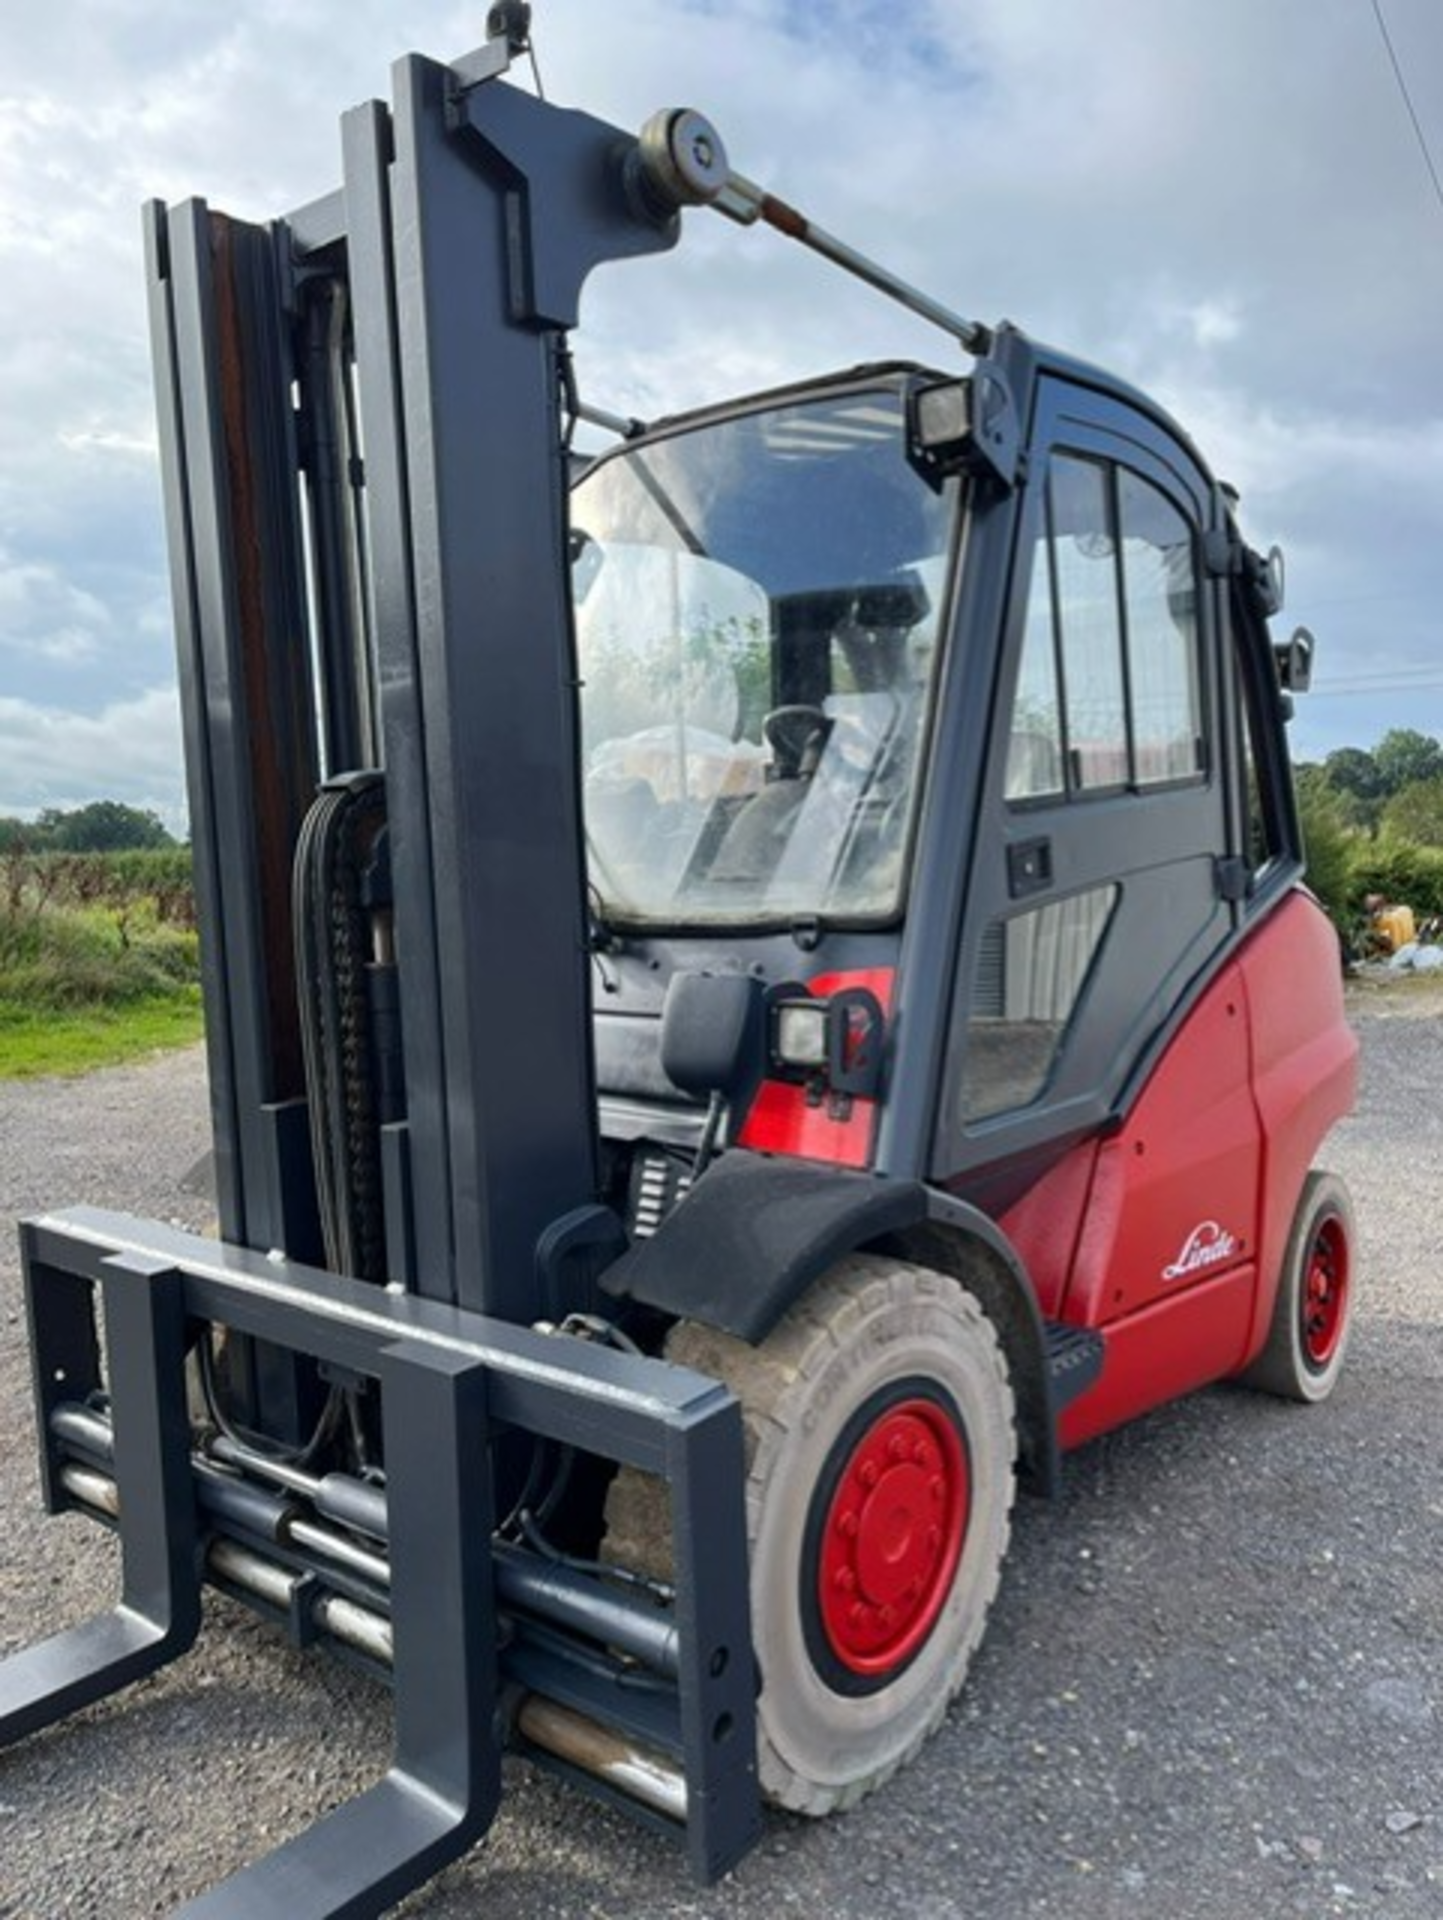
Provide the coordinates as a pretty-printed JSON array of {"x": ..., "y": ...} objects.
[{"x": 796, "y": 736}]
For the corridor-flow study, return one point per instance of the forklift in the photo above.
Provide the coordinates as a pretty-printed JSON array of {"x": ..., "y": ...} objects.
[{"x": 758, "y": 992}]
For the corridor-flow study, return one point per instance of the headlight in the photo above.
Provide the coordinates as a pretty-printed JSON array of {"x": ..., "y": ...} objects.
[
  {"x": 801, "y": 1034},
  {"x": 834, "y": 1045}
]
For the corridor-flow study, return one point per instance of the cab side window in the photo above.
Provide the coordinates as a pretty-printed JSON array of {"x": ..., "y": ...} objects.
[
  {"x": 1269, "y": 833},
  {"x": 1031, "y": 971},
  {"x": 1108, "y": 695}
]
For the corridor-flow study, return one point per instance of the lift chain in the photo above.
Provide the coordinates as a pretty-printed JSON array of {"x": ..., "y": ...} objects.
[{"x": 334, "y": 947}]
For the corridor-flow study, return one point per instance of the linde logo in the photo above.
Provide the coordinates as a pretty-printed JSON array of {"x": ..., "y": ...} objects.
[{"x": 1206, "y": 1246}]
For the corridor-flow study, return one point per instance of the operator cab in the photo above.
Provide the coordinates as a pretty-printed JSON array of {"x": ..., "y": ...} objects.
[{"x": 945, "y": 705}]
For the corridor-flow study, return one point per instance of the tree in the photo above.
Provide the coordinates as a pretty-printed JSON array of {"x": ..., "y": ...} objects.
[
  {"x": 1350, "y": 781},
  {"x": 1404, "y": 758},
  {"x": 1328, "y": 844},
  {"x": 104, "y": 826},
  {"x": 1352, "y": 770},
  {"x": 1415, "y": 812}
]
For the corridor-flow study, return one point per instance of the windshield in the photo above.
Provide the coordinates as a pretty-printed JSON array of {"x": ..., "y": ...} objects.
[{"x": 756, "y": 611}]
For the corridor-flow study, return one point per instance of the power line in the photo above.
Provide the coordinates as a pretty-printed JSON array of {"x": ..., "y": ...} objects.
[
  {"x": 1398, "y": 676},
  {"x": 1339, "y": 690},
  {"x": 1392, "y": 676},
  {"x": 1408, "y": 101}
]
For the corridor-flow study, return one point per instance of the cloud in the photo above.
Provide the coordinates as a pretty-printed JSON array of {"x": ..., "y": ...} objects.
[
  {"x": 1223, "y": 203},
  {"x": 46, "y": 615},
  {"x": 130, "y": 751}
]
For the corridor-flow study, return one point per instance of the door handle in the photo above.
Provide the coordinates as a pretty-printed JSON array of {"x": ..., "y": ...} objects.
[{"x": 1029, "y": 867}]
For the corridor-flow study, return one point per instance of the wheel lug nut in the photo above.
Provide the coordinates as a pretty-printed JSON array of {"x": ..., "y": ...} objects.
[
  {"x": 938, "y": 1488},
  {"x": 896, "y": 1447},
  {"x": 869, "y": 1473},
  {"x": 847, "y": 1524},
  {"x": 844, "y": 1580}
]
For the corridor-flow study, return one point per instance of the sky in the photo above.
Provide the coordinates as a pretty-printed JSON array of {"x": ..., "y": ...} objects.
[{"x": 1225, "y": 201}]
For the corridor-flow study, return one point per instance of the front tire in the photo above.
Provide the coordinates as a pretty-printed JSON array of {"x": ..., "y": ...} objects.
[
  {"x": 1313, "y": 1315},
  {"x": 880, "y": 1445}
]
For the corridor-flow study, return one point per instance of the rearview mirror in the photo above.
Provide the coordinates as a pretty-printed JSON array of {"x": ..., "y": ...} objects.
[{"x": 1295, "y": 661}]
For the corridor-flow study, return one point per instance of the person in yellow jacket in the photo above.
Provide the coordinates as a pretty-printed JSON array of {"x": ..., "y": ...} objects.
[{"x": 1389, "y": 927}]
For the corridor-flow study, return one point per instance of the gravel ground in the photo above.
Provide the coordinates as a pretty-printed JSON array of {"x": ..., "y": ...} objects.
[{"x": 1213, "y": 1684}]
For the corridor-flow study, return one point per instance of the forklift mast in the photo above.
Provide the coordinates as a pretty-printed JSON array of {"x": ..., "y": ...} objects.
[
  {"x": 364, "y": 469},
  {"x": 363, "y": 443}
]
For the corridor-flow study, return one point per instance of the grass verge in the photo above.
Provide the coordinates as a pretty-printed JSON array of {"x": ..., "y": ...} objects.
[
  {"x": 34, "y": 1043},
  {"x": 90, "y": 988}
]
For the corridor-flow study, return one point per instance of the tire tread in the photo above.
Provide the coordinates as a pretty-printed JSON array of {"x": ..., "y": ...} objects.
[{"x": 771, "y": 1382}]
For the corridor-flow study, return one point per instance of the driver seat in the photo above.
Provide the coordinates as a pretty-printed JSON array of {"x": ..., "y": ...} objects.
[{"x": 756, "y": 839}]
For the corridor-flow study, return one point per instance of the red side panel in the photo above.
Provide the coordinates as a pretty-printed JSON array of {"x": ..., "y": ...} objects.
[
  {"x": 1305, "y": 1068},
  {"x": 1043, "y": 1225},
  {"x": 780, "y": 1119},
  {"x": 1164, "y": 1352},
  {"x": 1178, "y": 1258},
  {"x": 1176, "y": 1195},
  {"x": 1165, "y": 1259}
]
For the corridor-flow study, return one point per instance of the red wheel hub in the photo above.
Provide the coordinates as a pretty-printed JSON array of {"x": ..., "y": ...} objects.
[
  {"x": 1325, "y": 1293},
  {"x": 893, "y": 1536}
]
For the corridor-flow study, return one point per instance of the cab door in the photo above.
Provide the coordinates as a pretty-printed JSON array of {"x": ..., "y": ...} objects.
[{"x": 1104, "y": 890}]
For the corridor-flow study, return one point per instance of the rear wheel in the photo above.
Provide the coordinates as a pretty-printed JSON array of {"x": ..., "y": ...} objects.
[
  {"x": 880, "y": 1451},
  {"x": 1313, "y": 1315}
]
